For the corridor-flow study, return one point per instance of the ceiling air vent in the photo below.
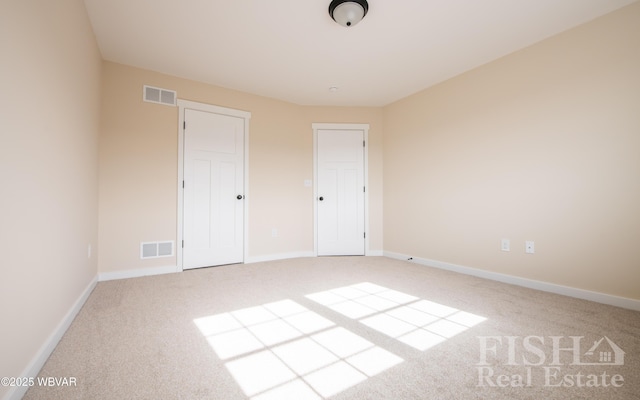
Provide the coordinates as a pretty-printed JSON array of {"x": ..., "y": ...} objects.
[{"x": 159, "y": 96}]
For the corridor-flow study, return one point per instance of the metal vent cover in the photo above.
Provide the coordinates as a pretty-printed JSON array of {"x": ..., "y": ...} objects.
[
  {"x": 158, "y": 95},
  {"x": 156, "y": 249}
]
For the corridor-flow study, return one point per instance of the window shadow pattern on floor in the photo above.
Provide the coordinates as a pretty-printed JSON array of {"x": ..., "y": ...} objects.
[{"x": 283, "y": 350}]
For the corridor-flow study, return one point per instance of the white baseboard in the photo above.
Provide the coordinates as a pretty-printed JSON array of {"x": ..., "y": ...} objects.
[
  {"x": 136, "y": 273},
  {"x": 298, "y": 254},
  {"x": 598, "y": 297},
  {"x": 36, "y": 364},
  {"x": 279, "y": 256}
]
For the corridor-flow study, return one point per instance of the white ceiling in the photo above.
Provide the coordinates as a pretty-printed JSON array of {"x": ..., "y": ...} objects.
[{"x": 292, "y": 50}]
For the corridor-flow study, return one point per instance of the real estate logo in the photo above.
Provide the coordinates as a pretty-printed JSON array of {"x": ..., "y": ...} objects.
[
  {"x": 553, "y": 361},
  {"x": 611, "y": 355}
]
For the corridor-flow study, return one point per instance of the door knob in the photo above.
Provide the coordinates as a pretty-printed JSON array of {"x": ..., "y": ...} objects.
[
  {"x": 239, "y": 197},
  {"x": 321, "y": 198}
]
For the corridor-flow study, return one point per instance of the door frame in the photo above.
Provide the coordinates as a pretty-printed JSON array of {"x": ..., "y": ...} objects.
[
  {"x": 192, "y": 105},
  {"x": 341, "y": 127}
]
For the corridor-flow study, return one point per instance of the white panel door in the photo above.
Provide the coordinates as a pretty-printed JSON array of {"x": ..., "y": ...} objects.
[
  {"x": 340, "y": 189},
  {"x": 213, "y": 189}
]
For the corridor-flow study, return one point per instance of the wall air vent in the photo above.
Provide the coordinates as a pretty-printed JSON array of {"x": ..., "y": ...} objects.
[
  {"x": 156, "y": 249},
  {"x": 159, "y": 96}
]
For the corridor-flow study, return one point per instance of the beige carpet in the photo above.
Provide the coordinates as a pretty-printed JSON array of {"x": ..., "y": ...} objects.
[{"x": 341, "y": 328}]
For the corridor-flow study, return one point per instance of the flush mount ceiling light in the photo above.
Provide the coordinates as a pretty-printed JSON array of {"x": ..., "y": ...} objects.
[{"x": 348, "y": 13}]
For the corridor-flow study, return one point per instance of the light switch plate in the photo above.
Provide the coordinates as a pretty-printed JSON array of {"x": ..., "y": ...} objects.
[{"x": 505, "y": 245}]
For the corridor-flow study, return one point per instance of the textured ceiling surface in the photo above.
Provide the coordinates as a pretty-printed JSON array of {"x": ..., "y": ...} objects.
[{"x": 292, "y": 50}]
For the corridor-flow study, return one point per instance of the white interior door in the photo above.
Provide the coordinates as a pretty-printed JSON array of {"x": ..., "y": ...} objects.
[
  {"x": 340, "y": 192},
  {"x": 213, "y": 202}
]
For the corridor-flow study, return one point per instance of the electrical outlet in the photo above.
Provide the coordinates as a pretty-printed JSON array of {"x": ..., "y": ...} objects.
[
  {"x": 505, "y": 245},
  {"x": 89, "y": 251},
  {"x": 274, "y": 232},
  {"x": 529, "y": 247}
]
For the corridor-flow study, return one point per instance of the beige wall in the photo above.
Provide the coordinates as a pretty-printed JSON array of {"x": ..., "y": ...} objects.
[
  {"x": 138, "y": 167},
  {"x": 49, "y": 107},
  {"x": 542, "y": 145}
]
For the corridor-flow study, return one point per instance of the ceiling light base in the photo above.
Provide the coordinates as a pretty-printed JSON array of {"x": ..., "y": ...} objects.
[{"x": 348, "y": 12}]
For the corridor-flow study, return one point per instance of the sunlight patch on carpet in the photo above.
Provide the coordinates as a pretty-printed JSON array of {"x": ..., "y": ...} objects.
[
  {"x": 282, "y": 350},
  {"x": 416, "y": 322}
]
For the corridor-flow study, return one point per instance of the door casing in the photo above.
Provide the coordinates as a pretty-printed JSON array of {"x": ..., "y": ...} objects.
[
  {"x": 182, "y": 106},
  {"x": 326, "y": 126}
]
